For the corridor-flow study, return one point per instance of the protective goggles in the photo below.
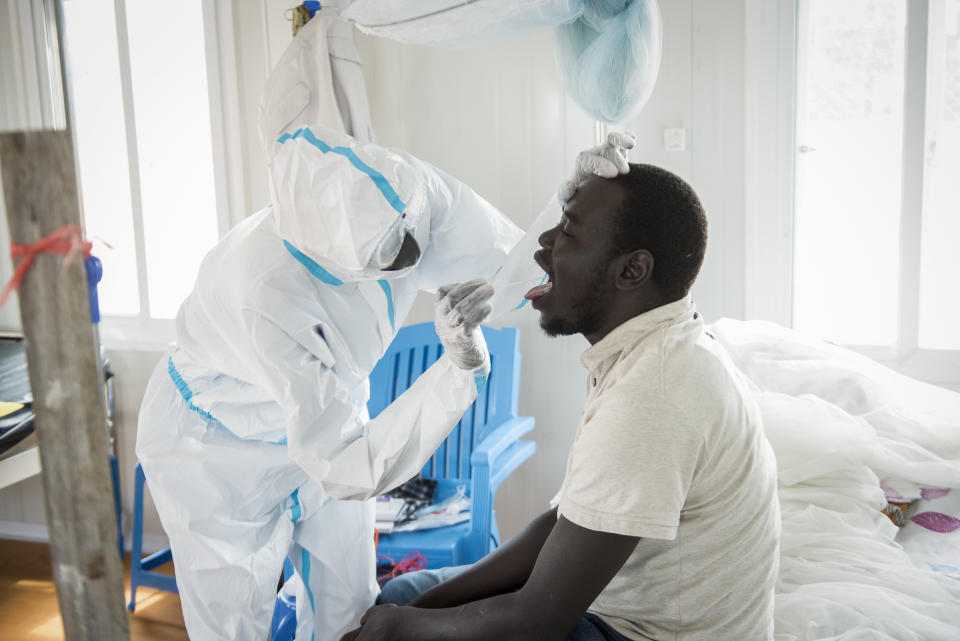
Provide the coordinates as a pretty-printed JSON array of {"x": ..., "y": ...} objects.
[{"x": 387, "y": 250}]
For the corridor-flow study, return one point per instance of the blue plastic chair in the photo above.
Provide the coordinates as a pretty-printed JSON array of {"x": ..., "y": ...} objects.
[
  {"x": 141, "y": 573},
  {"x": 483, "y": 449}
]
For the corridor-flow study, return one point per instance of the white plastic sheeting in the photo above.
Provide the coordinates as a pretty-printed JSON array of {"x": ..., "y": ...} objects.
[
  {"x": 520, "y": 272},
  {"x": 608, "y": 51},
  {"x": 838, "y": 422},
  {"x": 458, "y": 24},
  {"x": 317, "y": 81}
]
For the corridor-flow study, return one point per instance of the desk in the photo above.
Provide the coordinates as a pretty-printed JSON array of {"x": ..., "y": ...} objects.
[{"x": 20, "y": 462}]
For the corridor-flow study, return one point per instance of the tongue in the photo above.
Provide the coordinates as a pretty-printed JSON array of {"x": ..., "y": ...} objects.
[{"x": 538, "y": 291}]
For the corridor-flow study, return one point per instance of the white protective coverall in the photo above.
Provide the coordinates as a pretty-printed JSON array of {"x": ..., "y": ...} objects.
[
  {"x": 257, "y": 417},
  {"x": 254, "y": 424}
]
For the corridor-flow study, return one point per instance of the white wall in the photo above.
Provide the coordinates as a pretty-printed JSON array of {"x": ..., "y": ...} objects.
[{"x": 498, "y": 119}]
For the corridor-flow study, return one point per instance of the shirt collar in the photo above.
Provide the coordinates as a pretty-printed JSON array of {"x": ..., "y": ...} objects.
[{"x": 633, "y": 331}]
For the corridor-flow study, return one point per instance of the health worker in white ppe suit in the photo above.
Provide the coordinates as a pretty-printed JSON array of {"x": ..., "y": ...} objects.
[
  {"x": 255, "y": 424},
  {"x": 254, "y": 427}
]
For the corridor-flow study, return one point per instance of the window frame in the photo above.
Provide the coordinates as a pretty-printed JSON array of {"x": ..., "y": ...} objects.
[
  {"x": 772, "y": 55},
  {"x": 32, "y": 99},
  {"x": 144, "y": 331}
]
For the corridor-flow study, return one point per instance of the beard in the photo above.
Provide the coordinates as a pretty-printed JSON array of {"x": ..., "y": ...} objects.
[{"x": 585, "y": 316}]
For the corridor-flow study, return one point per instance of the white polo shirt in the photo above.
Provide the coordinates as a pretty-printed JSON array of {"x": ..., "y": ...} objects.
[{"x": 671, "y": 449}]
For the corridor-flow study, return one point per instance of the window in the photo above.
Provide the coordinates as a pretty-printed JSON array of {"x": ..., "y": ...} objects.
[
  {"x": 853, "y": 142},
  {"x": 849, "y": 130},
  {"x": 143, "y": 79},
  {"x": 940, "y": 260}
]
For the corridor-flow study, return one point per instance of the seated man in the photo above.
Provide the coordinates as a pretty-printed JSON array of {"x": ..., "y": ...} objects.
[{"x": 668, "y": 522}]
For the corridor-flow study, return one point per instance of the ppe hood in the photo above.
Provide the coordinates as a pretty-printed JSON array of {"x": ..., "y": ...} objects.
[{"x": 344, "y": 204}]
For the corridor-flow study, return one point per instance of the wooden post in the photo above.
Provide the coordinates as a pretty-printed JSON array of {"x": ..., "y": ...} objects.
[{"x": 40, "y": 187}]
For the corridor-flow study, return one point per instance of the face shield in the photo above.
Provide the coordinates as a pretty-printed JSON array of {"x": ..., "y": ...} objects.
[{"x": 356, "y": 209}]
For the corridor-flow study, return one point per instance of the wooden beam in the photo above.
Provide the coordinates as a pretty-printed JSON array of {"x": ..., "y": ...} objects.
[{"x": 39, "y": 183}]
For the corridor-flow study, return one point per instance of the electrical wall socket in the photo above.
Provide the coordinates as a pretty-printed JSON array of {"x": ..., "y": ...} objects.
[{"x": 675, "y": 139}]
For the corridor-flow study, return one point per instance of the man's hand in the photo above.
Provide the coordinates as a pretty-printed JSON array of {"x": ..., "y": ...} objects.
[
  {"x": 380, "y": 623},
  {"x": 574, "y": 565},
  {"x": 504, "y": 570}
]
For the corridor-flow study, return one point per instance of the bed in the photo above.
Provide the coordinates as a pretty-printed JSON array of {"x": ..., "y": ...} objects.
[{"x": 851, "y": 437}]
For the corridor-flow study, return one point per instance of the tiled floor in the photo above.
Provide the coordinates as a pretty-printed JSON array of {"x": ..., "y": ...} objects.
[{"x": 28, "y": 600}]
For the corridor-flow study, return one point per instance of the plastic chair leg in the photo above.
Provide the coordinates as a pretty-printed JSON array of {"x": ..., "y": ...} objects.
[
  {"x": 137, "y": 543},
  {"x": 283, "y": 627},
  {"x": 117, "y": 501}
]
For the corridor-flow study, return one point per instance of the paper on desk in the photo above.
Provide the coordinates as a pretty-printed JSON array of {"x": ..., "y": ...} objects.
[
  {"x": 432, "y": 521},
  {"x": 9, "y": 408}
]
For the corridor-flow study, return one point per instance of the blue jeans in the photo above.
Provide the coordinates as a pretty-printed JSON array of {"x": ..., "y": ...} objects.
[{"x": 407, "y": 587}]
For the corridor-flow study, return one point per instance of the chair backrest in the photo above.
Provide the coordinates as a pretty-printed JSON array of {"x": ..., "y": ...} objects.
[{"x": 413, "y": 351}]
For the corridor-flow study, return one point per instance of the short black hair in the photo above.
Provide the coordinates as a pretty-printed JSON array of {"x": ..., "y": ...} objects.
[{"x": 661, "y": 213}]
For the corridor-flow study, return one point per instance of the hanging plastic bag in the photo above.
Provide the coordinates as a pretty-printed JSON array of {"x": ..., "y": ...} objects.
[
  {"x": 608, "y": 51},
  {"x": 456, "y": 24},
  {"x": 610, "y": 56}
]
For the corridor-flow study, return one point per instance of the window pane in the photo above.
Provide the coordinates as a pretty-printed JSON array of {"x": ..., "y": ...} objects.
[
  {"x": 940, "y": 260},
  {"x": 101, "y": 148},
  {"x": 850, "y": 86},
  {"x": 171, "y": 104}
]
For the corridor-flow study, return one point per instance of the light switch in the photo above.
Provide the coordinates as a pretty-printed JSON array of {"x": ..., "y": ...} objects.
[{"x": 675, "y": 139}]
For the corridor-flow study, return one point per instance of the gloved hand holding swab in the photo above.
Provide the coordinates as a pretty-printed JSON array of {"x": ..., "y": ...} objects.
[{"x": 458, "y": 313}]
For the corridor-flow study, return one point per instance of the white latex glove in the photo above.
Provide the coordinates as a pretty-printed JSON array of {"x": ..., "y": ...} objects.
[
  {"x": 460, "y": 309},
  {"x": 607, "y": 161}
]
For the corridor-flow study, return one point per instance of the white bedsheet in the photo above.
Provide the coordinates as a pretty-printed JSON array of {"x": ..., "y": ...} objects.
[{"x": 839, "y": 422}]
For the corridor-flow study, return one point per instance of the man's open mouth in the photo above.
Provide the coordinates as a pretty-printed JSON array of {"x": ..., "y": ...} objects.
[{"x": 540, "y": 290}]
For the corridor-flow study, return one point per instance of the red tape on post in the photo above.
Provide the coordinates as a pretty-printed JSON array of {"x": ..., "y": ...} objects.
[{"x": 66, "y": 240}]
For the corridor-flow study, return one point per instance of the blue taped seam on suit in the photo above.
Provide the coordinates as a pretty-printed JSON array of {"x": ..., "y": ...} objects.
[
  {"x": 185, "y": 390},
  {"x": 305, "y": 559},
  {"x": 393, "y": 199},
  {"x": 386, "y": 290},
  {"x": 315, "y": 270},
  {"x": 525, "y": 301},
  {"x": 296, "y": 510}
]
